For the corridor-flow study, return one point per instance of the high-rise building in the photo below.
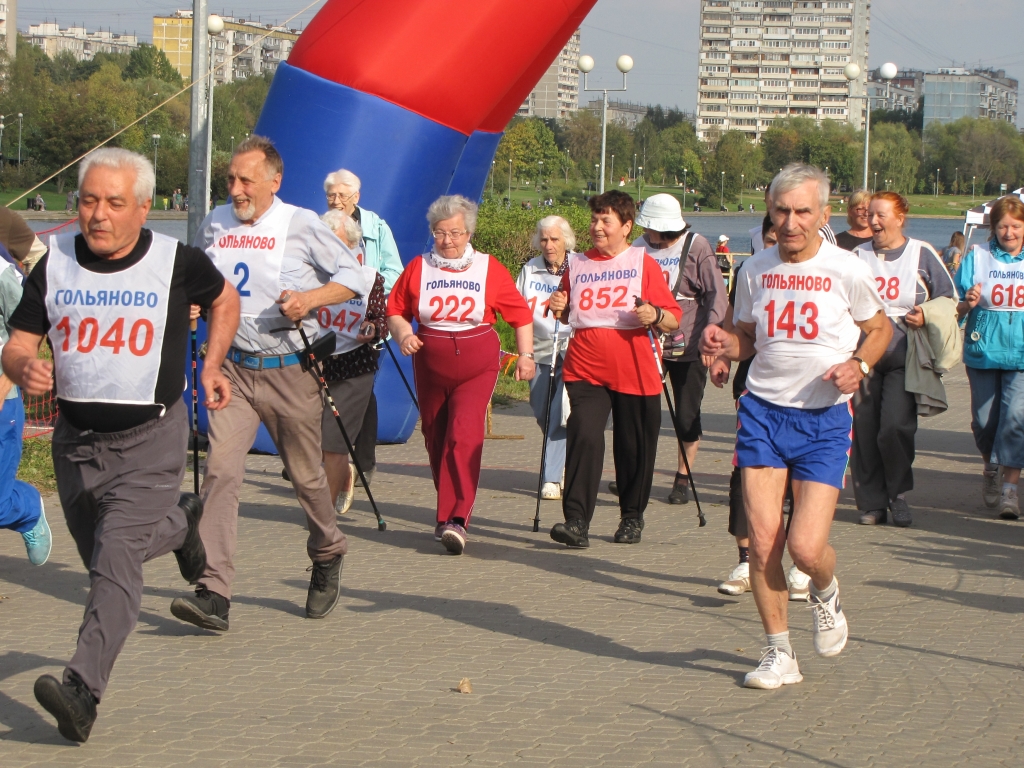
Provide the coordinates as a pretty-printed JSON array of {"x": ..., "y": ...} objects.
[
  {"x": 78, "y": 41},
  {"x": 558, "y": 92},
  {"x": 9, "y": 26},
  {"x": 950, "y": 94},
  {"x": 761, "y": 60},
  {"x": 235, "y": 57}
]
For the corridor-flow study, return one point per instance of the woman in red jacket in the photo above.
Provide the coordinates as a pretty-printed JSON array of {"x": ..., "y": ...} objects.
[
  {"x": 453, "y": 293},
  {"x": 610, "y": 367}
]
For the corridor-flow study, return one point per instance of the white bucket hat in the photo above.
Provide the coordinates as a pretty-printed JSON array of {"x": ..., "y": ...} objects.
[
  {"x": 723, "y": 238},
  {"x": 662, "y": 214}
]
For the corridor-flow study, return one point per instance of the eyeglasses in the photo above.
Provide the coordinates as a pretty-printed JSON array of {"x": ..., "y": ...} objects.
[
  {"x": 455, "y": 234},
  {"x": 332, "y": 196}
]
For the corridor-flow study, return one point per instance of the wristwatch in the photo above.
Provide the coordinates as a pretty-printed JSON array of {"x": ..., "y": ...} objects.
[
  {"x": 865, "y": 369},
  {"x": 527, "y": 354}
]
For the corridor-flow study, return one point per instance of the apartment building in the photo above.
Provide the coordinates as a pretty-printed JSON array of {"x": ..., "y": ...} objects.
[
  {"x": 952, "y": 93},
  {"x": 558, "y": 92},
  {"x": 9, "y": 26},
  {"x": 78, "y": 41},
  {"x": 244, "y": 48},
  {"x": 761, "y": 60}
]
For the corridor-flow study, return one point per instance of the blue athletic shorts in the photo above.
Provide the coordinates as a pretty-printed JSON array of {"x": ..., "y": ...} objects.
[{"x": 814, "y": 443}]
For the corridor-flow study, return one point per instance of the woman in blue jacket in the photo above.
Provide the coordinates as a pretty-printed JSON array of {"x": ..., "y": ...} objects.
[{"x": 991, "y": 280}]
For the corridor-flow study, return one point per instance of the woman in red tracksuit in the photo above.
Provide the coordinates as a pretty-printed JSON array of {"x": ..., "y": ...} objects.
[
  {"x": 453, "y": 292},
  {"x": 610, "y": 367}
]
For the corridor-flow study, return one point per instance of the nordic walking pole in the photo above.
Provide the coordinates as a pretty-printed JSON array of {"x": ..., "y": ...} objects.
[
  {"x": 672, "y": 415},
  {"x": 314, "y": 366},
  {"x": 195, "y": 410},
  {"x": 402, "y": 374},
  {"x": 547, "y": 425}
]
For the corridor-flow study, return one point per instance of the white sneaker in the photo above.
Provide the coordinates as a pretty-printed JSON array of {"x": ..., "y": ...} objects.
[
  {"x": 991, "y": 487},
  {"x": 777, "y": 668},
  {"x": 551, "y": 491},
  {"x": 1009, "y": 507},
  {"x": 738, "y": 581},
  {"x": 799, "y": 585},
  {"x": 830, "y": 629}
]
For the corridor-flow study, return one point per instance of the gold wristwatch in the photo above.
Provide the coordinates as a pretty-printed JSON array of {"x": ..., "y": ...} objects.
[{"x": 865, "y": 369}]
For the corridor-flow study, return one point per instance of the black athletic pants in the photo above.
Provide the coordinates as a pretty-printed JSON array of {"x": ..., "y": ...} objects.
[
  {"x": 636, "y": 425},
  {"x": 884, "y": 426}
]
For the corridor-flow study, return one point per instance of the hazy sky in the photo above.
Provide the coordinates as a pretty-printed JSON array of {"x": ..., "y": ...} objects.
[{"x": 660, "y": 35}]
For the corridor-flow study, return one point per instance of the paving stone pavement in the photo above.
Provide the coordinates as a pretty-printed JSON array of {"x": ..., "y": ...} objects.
[{"x": 614, "y": 656}]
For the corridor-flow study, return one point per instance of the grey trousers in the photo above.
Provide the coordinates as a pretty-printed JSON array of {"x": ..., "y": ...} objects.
[
  {"x": 287, "y": 401},
  {"x": 120, "y": 494}
]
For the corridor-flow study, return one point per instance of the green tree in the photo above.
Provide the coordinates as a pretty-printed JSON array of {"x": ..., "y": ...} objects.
[
  {"x": 149, "y": 61},
  {"x": 679, "y": 148},
  {"x": 895, "y": 155}
]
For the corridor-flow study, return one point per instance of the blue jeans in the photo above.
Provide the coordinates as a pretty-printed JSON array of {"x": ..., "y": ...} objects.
[
  {"x": 997, "y": 410},
  {"x": 554, "y": 459},
  {"x": 20, "y": 505}
]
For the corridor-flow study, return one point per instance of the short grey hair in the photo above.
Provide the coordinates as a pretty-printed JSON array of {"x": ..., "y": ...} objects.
[
  {"x": 341, "y": 222},
  {"x": 122, "y": 159},
  {"x": 450, "y": 206},
  {"x": 550, "y": 222},
  {"x": 798, "y": 174},
  {"x": 342, "y": 178}
]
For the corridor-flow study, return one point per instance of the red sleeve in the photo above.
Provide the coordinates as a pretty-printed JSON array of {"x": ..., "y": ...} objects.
[
  {"x": 503, "y": 297},
  {"x": 655, "y": 290},
  {"x": 405, "y": 295}
]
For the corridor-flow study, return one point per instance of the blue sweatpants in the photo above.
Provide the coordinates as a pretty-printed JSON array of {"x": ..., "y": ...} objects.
[
  {"x": 554, "y": 459},
  {"x": 19, "y": 502}
]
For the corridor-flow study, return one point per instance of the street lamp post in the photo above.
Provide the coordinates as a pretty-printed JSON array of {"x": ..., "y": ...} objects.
[
  {"x": 972, "y": 187},
  {"x": 721, "y": 200},
  {"x": 611, "y": 173},
  {"x": 956, "y": 182},
  {"x": 586, "y": 65},
  {"x": 937, "y": 181},
  {"x": 156, "y": 144},
  {"x": 684, "y": 189},
  {"x": 20, "y": 120},
  {"x": 634, "y": 166},
  {"x": 639, "y": 181},
  {"x": 852, "y": 71},
  {"x": 874, "y": 182},
  {"x": 742, "y": 178},
  {"x": 510, "y": 182},
  {"x": 492, "y": 173}
]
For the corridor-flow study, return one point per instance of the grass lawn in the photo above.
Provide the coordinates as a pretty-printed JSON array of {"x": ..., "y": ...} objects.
[{"x": 36, "y": 465}]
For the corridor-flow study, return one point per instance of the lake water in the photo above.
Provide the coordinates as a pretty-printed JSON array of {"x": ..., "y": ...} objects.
[{"x": 735, "y": 226}]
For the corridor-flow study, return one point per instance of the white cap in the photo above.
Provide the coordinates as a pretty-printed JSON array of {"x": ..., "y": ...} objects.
[
  {"x": 723, "y": 239},
  {"x": 662, "y": 214}
]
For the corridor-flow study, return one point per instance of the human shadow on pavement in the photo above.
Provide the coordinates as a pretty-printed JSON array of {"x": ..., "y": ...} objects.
[
  {"x": 959, "y": 554},
  {"x": 25, "y": 723},
  {"x": 56, "y": 579},
  {"x": 986, "y": 602},
  {"x": 506, "y": 619}
]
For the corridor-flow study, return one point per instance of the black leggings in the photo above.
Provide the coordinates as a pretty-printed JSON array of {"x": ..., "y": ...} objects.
[{"x": 636, "y": 426}]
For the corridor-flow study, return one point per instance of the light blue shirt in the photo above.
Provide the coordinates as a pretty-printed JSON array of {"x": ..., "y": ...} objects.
[
  {"x": 993, "y": 339},
  {"x": 380, "y": 250}
]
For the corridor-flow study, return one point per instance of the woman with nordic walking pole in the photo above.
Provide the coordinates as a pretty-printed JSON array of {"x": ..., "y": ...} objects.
[
  {"x": 539, "y": 278},
  {"x": 609, "y": 368}
]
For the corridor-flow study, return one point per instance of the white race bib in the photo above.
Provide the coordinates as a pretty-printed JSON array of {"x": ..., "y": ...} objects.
[
  {"x": 603, "y": 291},
  {"x": 347, "y": 318},
  {"x": 453, "y": 301},
  {"x": 250, "y": 257},
  {"x": 107, "y": 329},
  {"x": 537, "y": 290},
  {"x": 1002, "y": 285},
  {"x": 896, "y": 280}
]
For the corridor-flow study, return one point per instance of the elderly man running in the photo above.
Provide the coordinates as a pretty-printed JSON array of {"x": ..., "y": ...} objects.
[
  {"x": 114, "y": 302},
  {"x": 286, "y": 264},
  {"x": 802, "y": 306}
]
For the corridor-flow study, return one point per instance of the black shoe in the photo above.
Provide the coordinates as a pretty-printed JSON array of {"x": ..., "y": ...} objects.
[
  {"x": 207, "y": 609},
  {"x": 324, "y": 587},
  {"x": 192, "y": 555},
  {"x": 874, "y": 517},
  {"x": 369, "y": 476},
  {"x": 613, "y": 488},
  {"x": 900, "y": 513},
  {"x": 629, "y": 530},
  {"x": 680, "y": 490},
  {"x": 285, "y": 475},
  {"x": 572, "y": 533},
  {"x": 71, "y": 703}
]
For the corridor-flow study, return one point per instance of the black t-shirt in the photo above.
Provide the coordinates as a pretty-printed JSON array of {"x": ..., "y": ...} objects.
[
  {"x": 195, "y": 280},
  {"x": 849, "y": 242}
]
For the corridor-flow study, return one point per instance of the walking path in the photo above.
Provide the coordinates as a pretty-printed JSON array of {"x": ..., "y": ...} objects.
[{"x": 617, "y": 655}]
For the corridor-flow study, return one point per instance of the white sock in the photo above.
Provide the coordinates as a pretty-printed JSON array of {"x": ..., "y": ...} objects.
[
  {"x": 781, "y": 641},
  {"x": 825, "y": 594},
  {"x": 1009, "y": 489}
]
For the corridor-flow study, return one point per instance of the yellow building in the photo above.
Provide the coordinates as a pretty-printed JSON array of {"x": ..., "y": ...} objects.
[{"x": 233, "y": 59}]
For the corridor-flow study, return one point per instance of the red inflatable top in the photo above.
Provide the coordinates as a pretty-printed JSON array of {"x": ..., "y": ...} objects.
[{"x": 461, "y": 63}]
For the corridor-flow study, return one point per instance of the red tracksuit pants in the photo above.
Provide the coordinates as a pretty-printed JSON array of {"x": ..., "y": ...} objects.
[{"x": 455, "y": 376}]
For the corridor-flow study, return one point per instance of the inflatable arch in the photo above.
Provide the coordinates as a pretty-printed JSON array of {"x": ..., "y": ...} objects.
[{"x": 412, "y": 96}]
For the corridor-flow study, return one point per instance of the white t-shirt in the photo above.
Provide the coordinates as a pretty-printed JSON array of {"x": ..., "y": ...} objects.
[{"x": 805, "y": 316}]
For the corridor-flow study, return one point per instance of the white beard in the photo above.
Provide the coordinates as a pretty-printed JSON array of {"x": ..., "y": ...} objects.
[{"x": 244, "y": 214}]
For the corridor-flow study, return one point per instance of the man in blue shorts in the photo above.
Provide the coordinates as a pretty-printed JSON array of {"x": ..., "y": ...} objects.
[{"x": 802, "y": 306}]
